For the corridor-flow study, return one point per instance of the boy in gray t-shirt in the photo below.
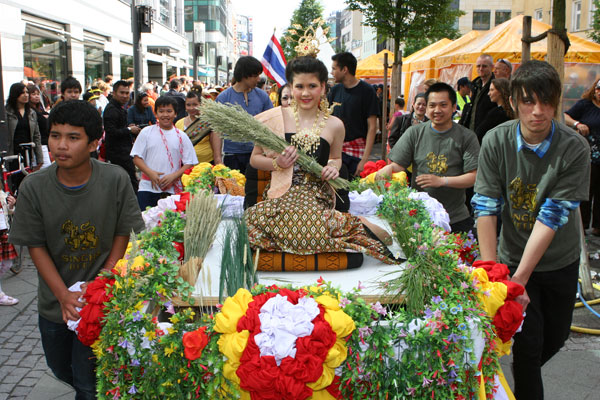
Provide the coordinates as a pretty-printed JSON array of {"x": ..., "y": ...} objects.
[
  {"x": 75, "y": 216},
  {"x": 443, "y": 155},
  {"x": 534, "y": 172}
]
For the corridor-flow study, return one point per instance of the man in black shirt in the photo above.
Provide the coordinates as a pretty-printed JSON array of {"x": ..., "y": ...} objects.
[
  {"x": 358, "y": 111},
  {"x": 481, "y": 103},
  {"x": 174, "y": 92},
  {"x": 119, "y": 137}
]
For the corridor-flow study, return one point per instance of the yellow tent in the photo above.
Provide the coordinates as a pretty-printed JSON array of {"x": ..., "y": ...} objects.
[
  {"x": 372, "y": 66},
  {"x": 420, "y": 65}
]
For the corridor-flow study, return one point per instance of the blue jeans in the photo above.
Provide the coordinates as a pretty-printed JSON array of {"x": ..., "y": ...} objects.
[
  {"x": 70, "y": 360},
  {"x": 237, "y": 161}
]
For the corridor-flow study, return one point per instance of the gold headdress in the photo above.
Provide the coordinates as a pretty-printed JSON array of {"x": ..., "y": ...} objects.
[{"x": 309, "y": 43}]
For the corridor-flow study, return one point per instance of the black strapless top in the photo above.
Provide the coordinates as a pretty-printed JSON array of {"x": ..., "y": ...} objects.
[{"x": 321, "y": 154}]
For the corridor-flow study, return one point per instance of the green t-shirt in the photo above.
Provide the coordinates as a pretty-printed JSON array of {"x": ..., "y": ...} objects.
[
  {"x": 450, "y": 153},
  {"x": 525, "y": 181},
  {"x": 77, "y": 226}
]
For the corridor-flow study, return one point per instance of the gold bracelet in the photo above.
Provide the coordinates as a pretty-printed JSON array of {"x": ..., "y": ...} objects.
[
  {"x": 329, "y": 162},
  {"x": 276, "y": 166}
]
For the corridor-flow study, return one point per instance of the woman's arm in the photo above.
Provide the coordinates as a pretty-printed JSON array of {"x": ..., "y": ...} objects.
[
  {"x": 583, "y": 129},
  {"x": 286, "y": 159},
  {"x": 215, "y": 144}
]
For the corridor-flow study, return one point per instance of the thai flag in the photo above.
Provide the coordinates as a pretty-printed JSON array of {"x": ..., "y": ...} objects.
[{"x": 273, "y": 61}]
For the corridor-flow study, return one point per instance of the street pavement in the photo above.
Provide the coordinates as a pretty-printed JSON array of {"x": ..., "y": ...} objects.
[{"x": 574, "y": 373}]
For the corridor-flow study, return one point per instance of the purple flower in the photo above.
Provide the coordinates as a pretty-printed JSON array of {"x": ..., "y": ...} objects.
[
  {"x": 464, "y": 285},
  {"x": 411, "y": 391},
  {"x": 360, "y": 286},
  {"x": 436, "y": 299},
  {"x": 124, "y": 343},
  {"x": 170, "y": 308},
  {"x": 137, "y": 316},
  {"x": 364, "y": 331},
  {"x": 428, "y": 313},
  {"x": 426, "y": 382},
  {"x": 132, "y": 390},
  {"x": 437, "y": 314},
  {"x": 453, "y": 337},
  {"x": 416, "y": 225},
  {"x": 344, "y": 302},
  {"x": 452, "y": 374},
  {"x": 135, "y": 362},
  {"x": 378, "y": 308}
]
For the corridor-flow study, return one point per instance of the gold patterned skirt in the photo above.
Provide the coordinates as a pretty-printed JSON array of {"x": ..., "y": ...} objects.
[{"x": 304, "y": 221}]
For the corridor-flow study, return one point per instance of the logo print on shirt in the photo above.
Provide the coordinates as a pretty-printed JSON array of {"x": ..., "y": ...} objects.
[
  {"x": 437, "y": 164},
  {"x": 81, "y": 237},
  {"x": 523, "y": 197}
]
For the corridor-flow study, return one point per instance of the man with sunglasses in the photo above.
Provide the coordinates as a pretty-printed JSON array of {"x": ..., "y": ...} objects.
[
  {"x": 503, "y": 68},
  {"x": 473, "y": 114}
]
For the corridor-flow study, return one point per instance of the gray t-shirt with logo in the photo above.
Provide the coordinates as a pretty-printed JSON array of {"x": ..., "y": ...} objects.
[
  {"x": 525, "y": 181},
  {"x": 77, "y": 226},
  {"x": 450, "y": 153}
]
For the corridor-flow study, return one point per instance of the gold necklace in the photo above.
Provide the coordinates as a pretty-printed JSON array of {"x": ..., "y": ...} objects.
[{"x": 307, "y": 140}]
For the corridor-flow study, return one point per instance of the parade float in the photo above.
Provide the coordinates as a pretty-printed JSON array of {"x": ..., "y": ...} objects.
[{"x": 187, "y": 314}]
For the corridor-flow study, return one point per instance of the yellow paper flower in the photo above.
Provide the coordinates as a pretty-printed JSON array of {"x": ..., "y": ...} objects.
[
  {"x": 186, "y": 180},
  {"x": 233, "y": 309},
  {"x": 369, "y": 178},
  {"x": 399, "y": 177}
]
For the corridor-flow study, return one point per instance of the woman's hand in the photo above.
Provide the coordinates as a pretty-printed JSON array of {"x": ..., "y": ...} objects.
[
  {"x": 329, "y": 172},
  {"x": 287, "y": 158},
  {"x": 583, "y": 129}
]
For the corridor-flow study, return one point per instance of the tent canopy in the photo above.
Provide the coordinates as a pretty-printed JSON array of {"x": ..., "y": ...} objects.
[
  {"x": 372, "y": 66},
  {"x": 504, "y": 41}
]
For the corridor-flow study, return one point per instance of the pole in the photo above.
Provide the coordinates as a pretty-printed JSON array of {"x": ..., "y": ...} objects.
[
  {"x": 384, "y": 113},
  {"x": 525, "y": 44},
  {"x": 216, "y": 67},
  {"x": 137, "y": 49},
  {"x": 3, "y": 122},
  {"x": 195, "y": 64},
  {"x": 556, "y": 46}
]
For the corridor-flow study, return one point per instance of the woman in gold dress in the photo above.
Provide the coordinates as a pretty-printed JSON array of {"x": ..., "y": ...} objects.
[{"x": 298, "y": 214}]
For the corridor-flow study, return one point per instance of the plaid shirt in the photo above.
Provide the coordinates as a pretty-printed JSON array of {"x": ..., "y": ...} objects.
[
  {"x": 541, "y": 150},
  {"x": 355, "y": 148}
]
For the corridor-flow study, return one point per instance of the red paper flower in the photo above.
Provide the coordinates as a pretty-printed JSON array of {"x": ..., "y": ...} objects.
[
  {"x": 261, "y": 376},
  {"x": 92, "y": 314},
  {"x": 194, "y": 342},
  {"x": 412, "y": 212},
  {"x": 180, "y": 249},
  {"x": 184, "y": 198}
]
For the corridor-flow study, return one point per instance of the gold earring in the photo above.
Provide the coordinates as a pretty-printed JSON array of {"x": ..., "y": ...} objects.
[{"x": 324, "y": 104}]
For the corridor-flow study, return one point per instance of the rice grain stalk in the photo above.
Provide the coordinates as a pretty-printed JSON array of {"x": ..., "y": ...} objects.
[{"x": 233, "y": 123}]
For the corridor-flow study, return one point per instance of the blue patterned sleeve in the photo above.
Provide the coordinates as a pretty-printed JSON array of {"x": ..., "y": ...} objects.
[
  {"x": 485, "y": 206},
  {"x": 555, "y": 213}
]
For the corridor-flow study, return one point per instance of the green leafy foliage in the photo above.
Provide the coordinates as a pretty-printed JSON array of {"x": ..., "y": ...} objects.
[
  {"x": 594, "y": 33},
  {"x": 406, "y": 20}
]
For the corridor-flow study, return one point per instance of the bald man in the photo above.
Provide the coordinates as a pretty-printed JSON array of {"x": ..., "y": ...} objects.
[{"x": 480, "y": 100}]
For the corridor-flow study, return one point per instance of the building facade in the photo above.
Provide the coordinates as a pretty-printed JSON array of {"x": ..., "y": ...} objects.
[
  {"x": 484, "y": 15},
  {"x": 87, "y": 39},
  {"x": 578, "y": 13}
]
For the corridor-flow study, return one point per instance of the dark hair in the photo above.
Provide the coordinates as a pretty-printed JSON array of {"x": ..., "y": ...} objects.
[
  {"x": 16, "y": 90},
  {"x": 78, "y": 113},
  {"x": 70, "y": 83},
  {"x": 306, "y": 65},
  {"x": 280, "y": 91},
  {"x": 165, "y": 101},
  {"x": 503, "y": 86},
  {"x": 590, "y": 93},
  {"x": 194, "y": 94},
  {"x": 108, "y": 78},
  {"x": 32, "y": 88},
  {"x": 245, "y": 67},
  {"x": 464, "y": 81},
  {"x": 539, "y": 78},
  {"x": 120, "y": 83},
  {"x": 417, "y": 96},
  {"x": 439, "y": 87},
  {"x": 197, "y": 88},
  {"x": 347, "y": 60},
  {"x": 138, "y": 101},
  {"x": 174, "y": 84},
  {"x": 400, "y": 101}
]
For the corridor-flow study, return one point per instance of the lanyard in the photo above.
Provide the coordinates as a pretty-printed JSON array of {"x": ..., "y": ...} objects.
[{"x": 177, "y": 185}]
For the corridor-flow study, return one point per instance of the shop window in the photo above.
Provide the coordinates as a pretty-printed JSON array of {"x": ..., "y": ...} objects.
[
  {"x": 576, "y": 16},
  {"x": 501, "y": 16},
  {"x": 481, "y": 20},
  {"x": 44, "y": 54},
  {"x": 126, "y": 67},
  {"x": 97, "y": 62}
]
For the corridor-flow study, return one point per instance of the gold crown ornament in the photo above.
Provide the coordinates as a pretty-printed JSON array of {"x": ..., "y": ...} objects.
[{"x": 309, "y": 42}]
